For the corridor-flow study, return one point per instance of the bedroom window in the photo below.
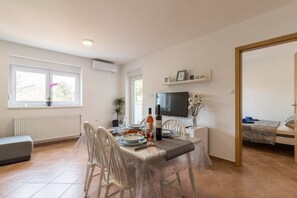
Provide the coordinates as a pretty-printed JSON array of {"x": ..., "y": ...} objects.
[{"x": 33, "y": 82}]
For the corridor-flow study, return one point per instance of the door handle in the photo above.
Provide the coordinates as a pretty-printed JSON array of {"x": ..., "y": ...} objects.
[{"x": 294, "y": 105}]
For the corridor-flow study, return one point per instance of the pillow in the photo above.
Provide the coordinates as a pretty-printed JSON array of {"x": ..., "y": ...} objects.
[{"x": 290, "y": 122}]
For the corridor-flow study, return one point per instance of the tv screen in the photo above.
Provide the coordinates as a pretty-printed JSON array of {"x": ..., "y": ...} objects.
[{"x": 173, "y": 104}]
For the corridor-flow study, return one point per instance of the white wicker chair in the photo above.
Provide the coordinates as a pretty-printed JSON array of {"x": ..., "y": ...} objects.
[
  {"x": 116, "y": 172},
  {"x": 176, "y": 126},
  {"x": 178, "y": 129},
  {"x": 92, "y": 161}
]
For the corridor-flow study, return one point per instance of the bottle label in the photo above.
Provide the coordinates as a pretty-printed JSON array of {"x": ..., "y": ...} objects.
[
  {"x": 158, "y": 123},
  {"x": 150, "y": 127}
]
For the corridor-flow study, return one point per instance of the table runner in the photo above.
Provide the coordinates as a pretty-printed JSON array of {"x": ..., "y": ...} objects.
[{"x": 174, "y": 147}]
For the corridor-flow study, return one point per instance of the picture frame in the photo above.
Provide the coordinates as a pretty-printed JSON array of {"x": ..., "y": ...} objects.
[{"x": 181, "y": 75}]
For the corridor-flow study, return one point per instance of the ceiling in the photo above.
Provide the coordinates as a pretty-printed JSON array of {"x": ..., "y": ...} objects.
[{"x": 122, "y": 30}]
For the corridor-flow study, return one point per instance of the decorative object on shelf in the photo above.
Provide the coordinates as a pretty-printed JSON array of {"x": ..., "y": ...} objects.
[
  {"x": 181, "y": 75},
  {"x": 196, "y": 102},
  {"x": 118, "y": 109},
  {"x": 192, "y": 77},
  {"x": 49, "y": 98},
  {"x": 201, "y": 77},
  {"x": 167, "y": 79}
]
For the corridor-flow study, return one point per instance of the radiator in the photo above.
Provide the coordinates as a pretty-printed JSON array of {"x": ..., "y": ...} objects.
[{"x": 46, "y": 129}]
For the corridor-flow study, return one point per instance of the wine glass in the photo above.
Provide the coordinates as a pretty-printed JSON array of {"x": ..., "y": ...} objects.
[{"x": 122, "y": 122}]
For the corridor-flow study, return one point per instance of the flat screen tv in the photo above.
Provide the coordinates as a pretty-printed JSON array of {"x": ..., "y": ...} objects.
[{"x": 173, "y": 104}]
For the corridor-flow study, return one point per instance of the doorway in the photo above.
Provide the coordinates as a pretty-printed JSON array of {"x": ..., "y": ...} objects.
[
  {"x": 136, "y": 99},
  {"x": 238, "y": 88}
]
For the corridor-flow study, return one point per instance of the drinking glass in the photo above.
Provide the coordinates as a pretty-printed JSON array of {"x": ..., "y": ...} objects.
[{"x": 122, "y": 122}]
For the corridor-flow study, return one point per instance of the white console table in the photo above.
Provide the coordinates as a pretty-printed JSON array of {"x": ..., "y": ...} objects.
[{"x": 200, "y": 132}]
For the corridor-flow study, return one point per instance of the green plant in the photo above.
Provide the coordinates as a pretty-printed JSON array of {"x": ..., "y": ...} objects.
[{"x": 118, "y": 107}]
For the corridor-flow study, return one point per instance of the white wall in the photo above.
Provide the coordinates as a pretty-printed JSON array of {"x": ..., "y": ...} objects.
[
  {"x": 99, "y": 89},
  {"x": 268, "y": 82},
  {"x": 215, "y": 51}
]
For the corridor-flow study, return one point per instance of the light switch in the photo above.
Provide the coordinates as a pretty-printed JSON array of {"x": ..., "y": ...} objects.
[{"x": 232, "y": 91}]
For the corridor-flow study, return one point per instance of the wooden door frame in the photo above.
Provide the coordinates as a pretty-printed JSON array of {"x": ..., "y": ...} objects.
[{"x": 238, "y": 85}]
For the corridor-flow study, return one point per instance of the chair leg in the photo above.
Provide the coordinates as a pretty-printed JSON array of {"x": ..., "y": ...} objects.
[
  {"x": 121, "y": 194},
  {"x": 191, "y": 175},
  {"x": 106, "y": 192},
  {"x": 90, "y": 177},
  {"x": 130, "y": 192},
  {"x": 87, "y": 177},
  {"x": 179, "y": 183},
  {"x": 100, "y": 183}
]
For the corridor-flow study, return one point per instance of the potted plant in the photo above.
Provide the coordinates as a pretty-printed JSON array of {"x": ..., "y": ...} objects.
[
  {"x": 49, "y": 98},
  {"x": 118, "y": 109},
  {"x": 49, "y": 101}
]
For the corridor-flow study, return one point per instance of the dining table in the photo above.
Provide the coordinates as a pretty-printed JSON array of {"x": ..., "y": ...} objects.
[
  {"x": 153, "y": 164},
  {"x": 156, "y": 161}
]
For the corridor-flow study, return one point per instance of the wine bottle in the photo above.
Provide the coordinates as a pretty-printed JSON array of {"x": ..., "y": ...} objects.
[
  {"x": 158, "y": 124},
  {"x": 150, "y": 124}
]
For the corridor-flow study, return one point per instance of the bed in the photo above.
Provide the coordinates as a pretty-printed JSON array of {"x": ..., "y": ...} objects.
[{"x": 268, "y": 132}]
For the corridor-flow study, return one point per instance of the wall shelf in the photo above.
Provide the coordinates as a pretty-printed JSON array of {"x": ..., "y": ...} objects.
[
  {"x": 186, "y": 82},
  {"x": 207, "y": 78}
]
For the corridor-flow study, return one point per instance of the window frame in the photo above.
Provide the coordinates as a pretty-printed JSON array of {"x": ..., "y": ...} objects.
[
  {"x": 77, "y": 87},
  {"x": 13, "y": 68}
]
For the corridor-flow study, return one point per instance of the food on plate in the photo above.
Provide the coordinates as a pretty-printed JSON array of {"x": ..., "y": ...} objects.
[{"x": 130, "y": 131}]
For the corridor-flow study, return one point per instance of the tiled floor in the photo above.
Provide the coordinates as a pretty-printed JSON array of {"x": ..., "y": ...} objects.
[{"x": 55, "y": 171}]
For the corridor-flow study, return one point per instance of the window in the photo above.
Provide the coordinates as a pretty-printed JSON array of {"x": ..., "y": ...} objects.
[{"x": 33, "y": 85}]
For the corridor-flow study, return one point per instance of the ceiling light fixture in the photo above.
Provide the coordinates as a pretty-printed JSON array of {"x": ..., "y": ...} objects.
[{"x": 87, "y": 42}]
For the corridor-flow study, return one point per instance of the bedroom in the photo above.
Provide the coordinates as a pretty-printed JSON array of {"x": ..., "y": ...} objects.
[{"x": 267, "y": 96}]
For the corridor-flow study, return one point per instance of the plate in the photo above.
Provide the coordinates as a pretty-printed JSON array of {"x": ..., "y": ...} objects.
[
  {"x": 124, "y": 143},
  {"x": 112, "y": 130},
  {"x": 135, "y": 126},
  {"x": 133, "y": 138}
]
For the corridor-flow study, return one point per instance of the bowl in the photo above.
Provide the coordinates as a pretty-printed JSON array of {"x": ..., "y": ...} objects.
[{"x": 132, "y": 138}]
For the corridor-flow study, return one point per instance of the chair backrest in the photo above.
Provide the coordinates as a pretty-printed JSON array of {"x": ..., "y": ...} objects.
[
  {"x": 175, "y": 125},
  {"x": 112, "y": 158},
  {"x": 90, "y": 135}
]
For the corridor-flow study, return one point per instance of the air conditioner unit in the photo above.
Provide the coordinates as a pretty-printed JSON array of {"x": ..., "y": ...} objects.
[{"x": 104, "y": 66}]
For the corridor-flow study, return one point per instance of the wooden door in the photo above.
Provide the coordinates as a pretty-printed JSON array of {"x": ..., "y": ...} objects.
[{"x": 295, "y": 107}]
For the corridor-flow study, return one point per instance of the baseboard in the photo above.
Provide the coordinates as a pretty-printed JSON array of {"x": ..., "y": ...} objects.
[
  {"x": 222, "y": 160},
  {"x": 55, "y": 141}
]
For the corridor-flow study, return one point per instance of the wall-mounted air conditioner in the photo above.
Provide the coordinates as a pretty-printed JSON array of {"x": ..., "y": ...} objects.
[{"x": 104, "y": 66}]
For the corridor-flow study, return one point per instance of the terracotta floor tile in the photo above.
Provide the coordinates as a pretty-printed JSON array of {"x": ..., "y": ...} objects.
[
  {"x": 68, "y": 177},
  {"x": 217, "y": 193},
  {"x": 75, "y": 190},
  {"x": 25, "y": 190},
  {"x": 52, "y": 191},
  {"x": 6, "y": 188},
  {"x": 56, "y": 171}
]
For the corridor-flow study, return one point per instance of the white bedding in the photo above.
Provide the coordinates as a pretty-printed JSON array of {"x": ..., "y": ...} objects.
[
  {"x": 284, "y": 130},
  {"x": 284, "y": 134}
]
